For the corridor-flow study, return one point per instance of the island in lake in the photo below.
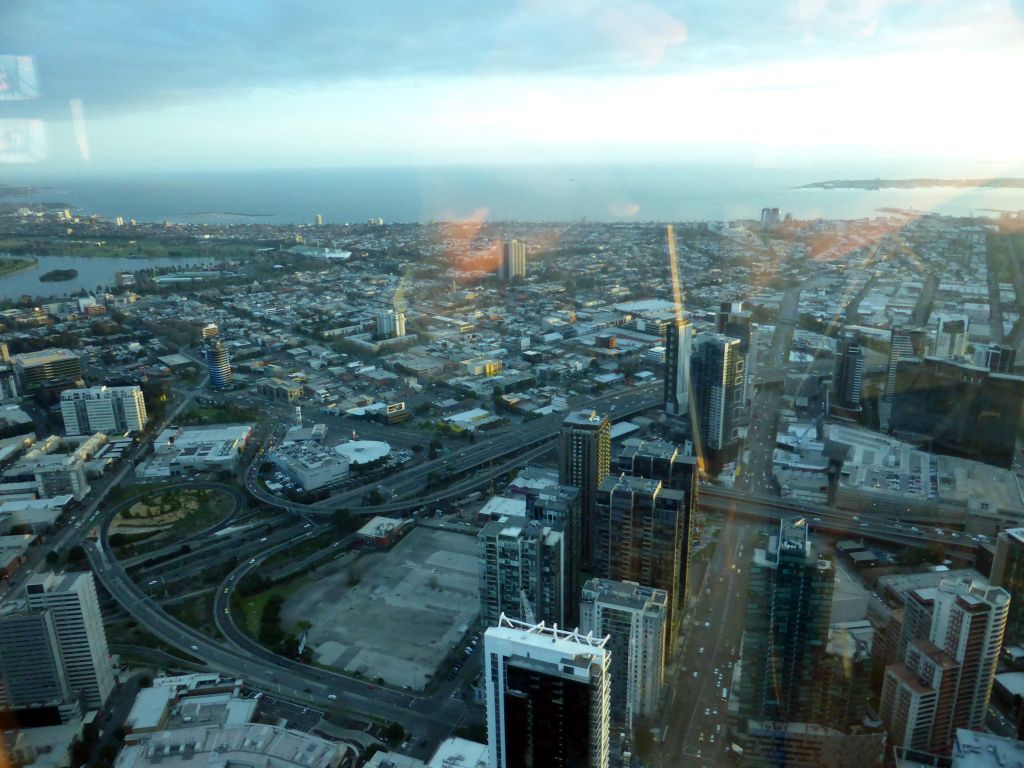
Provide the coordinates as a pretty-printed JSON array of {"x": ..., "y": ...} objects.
[
  {"x": 1006, "y": 183},
  {"x": 58, "y": 275}
]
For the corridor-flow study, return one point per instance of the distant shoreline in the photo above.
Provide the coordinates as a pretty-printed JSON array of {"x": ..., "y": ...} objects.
[
  {"x": 875, "y": 184},
  {"x": 8, "y": 267},
  {"x": 227, "y": 213}
]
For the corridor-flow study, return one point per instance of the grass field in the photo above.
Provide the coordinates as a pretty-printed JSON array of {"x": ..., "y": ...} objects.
[
  {"x": 9, "y": 266},
  {"x": 122, "y": 247},
  {"x": 252, "y": 607}
]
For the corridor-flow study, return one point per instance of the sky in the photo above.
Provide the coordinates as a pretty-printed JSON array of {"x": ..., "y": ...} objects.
[{"x": 166, "y": 85}]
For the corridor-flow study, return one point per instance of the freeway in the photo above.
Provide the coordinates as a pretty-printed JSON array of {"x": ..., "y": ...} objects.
[{"x": 721, "y": 500}]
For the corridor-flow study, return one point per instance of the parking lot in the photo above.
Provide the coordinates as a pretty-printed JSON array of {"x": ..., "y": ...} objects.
[{"x": 429, "y": 579}]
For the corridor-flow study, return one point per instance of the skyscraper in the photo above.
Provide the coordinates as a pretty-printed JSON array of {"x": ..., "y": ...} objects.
[
  {"x": 848, "y": 378},
  {"x": 717, "y": 384},
  {"x": 678, "y": 347},
  {"x": 635, "y": 620},
  {"x": 998, "y": 358},
  {"x": 785, "y": 638},
  {"x": 390, "y": 323},
  {"x": 547, "y": 697},
  {"x": 642, "y": 534},
  {"x": 512, "y": 260},
  {"x": 584, "y": 458},
  {"x": 904, "y": 342},
  {"x": 218, "y": 364},
  {"x": 952, "y": 635},
  {"x": 103, "y": 409},
  {"x": 523, "y": 573},
  {"x": 71, "y": 600},
  {"x": 950, "y": 340},
  {"x": 1008, "y": 573}
]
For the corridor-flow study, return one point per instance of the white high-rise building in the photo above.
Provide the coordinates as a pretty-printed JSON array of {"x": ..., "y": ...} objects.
[
  {"x": 390, "y": 323},
  {"x": 103, "y": 409},
  {"x": 953, "y": 635},
  {"x": 548, "y": 696},
  {"x": 635, "y": 620},
  {"x": 678, "y": 348},
  {"x": 71, "y": 600},
  {"x": 512, "y": 260}
]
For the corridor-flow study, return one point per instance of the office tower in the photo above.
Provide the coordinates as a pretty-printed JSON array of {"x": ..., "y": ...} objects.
[
  {"x": 1008, "y": 573},
  {"x": 60, "y": 474},
  {"x": 785, "y": 638},
  {"x": 848, "y": 378},
  {"x": 642, "y": 534},
  {"x": 71, "y": 600},
  {"x": 218, "y": 364},
  {"x": 770, "y": 217},
  {"x": 717, "y": 386},
  {"x": 390, "y": 323},
  {"x": 584, "y": 456},
  {"x": 678, "y": 348},
  {"x": 103, "y": 409},
  {"x": 904, "y": 342},
  {"x": 47, "y": 369},
  {"x": 512, "y": 260},
  {"x": 635, "y": 621},
  {"x": 209, "y": 331},
  {"x": 522, "y": 567},
  {"x": 319, "y": 220},
  {"x": 547, "y": 697},
  {"x": 958, "y": 408},
  {"x": 952, "y": 635},
  {"x": 31, "y": 673},
  {"x": 950, "y": 340},
  {"x": 998, "y": 358}
]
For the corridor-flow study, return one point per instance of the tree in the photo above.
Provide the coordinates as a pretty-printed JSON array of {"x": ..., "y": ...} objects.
[
  {"x": 435, "y": 448},
  {"x": 77, "y": 554},
  {"x": 52, "y": 558},
  {"x": 375, "y": 498},
  {"x": 145, "y": 681},
  {"x": 394, "y": 733}
]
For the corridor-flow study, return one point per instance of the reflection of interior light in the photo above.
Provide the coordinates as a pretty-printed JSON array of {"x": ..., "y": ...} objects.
[
  {"x": 18, "y": 78},
  {"x": 22, "y": 141},
  {"x": 78, "y": 120}
]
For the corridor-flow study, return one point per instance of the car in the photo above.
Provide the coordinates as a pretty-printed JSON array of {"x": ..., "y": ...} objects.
[
  {"x": 151, "y": 583},
  {"x": 252, "y": 560},
  {"x": 332, "y": 696},
  {"x": 194, "y": 647},
  {"x": 701, "y": 649},
  {"x": 263, "y": 539}
]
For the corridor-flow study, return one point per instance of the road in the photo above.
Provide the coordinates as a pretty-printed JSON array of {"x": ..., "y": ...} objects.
[{"x": 694, "y": 715}]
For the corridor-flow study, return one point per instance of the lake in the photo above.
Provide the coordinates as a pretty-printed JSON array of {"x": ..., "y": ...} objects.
[{"x": 92, "y": 271}]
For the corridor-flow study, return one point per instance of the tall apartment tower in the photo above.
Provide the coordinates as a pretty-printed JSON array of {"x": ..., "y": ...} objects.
[
  {"x": 785, "y": 638},
  {"x": 848, "y": 378},
  {"x": 70, "y": 599},
  {"x": 218, "y": 364},
  {"x": 643, "y": 534},
  {"x": 950, "y": 340},
  {"x": 904, "y": 341},
  {"x": 1008, "y": 573},
  {"x": 953, "y": 634},
  {"x": 678, "y": 348},
  {"x": 512, "y": 260},
  {"x": 209, "y": 331},
  {"x": 548, "y": 697},
  {"x": 635, "y": 621},
  {"x": 584, "y": 457},
  {"x": 103, "y": 409},
  {"x": 717, "y": 383},
  {"x": 390, "y": 323},
  {"x": 31, "y": 670},
  {"x": 523, "y": 572}
]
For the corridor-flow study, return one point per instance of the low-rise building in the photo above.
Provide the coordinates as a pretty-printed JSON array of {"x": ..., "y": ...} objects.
[{"x": 309, "y": 465}]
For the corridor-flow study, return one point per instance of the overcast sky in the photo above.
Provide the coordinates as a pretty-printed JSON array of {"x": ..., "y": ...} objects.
[{"x": 182, "y": 84}]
